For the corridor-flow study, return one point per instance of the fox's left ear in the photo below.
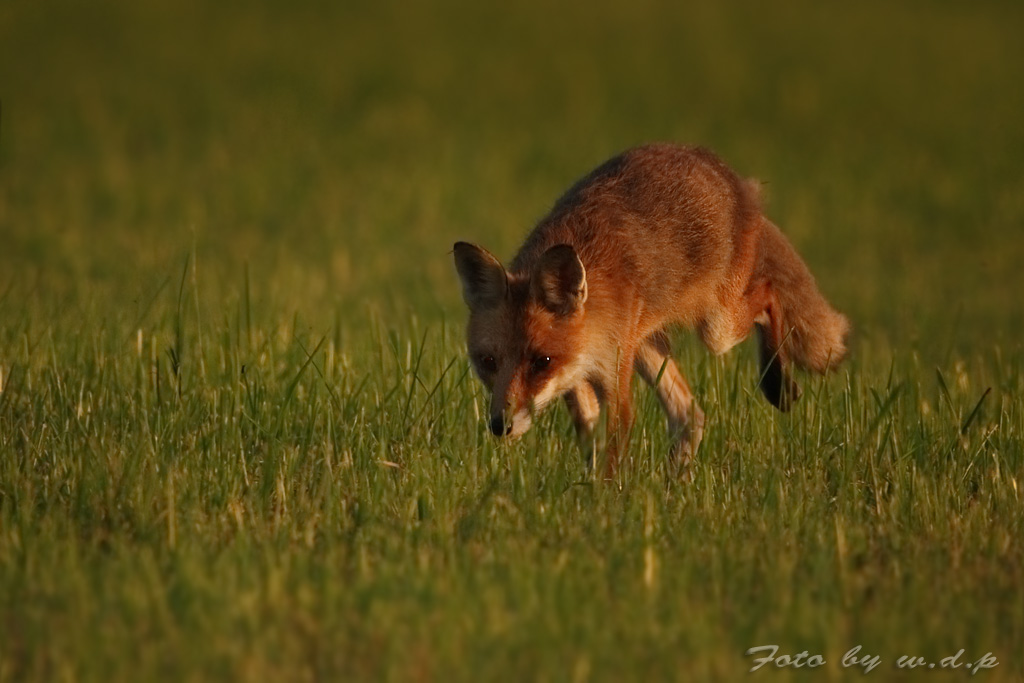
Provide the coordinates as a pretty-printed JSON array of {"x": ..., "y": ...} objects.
[
  {"x": 484, "y": 282},
  {"x": 560, "y": 281}
]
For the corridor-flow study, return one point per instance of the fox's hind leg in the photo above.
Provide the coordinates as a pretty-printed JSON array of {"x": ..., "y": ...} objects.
[
  {"x": 585, "y": 409},
  {"x": 685, "y": 418}
]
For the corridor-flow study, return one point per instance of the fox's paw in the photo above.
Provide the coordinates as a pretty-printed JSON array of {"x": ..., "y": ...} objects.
[{"x": 689, "y": 436}]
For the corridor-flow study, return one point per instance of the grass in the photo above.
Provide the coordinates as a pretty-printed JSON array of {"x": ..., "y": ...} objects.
[{"x": 239, "y": 438}]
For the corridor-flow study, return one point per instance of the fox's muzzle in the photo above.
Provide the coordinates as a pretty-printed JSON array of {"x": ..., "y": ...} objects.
[
  {"x": 512, "y": 425},
  {"x": 509, "y": 417},
  {"x": 498, "y": 426}
]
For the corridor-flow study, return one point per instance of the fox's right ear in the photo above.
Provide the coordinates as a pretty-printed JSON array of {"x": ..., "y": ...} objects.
[
  {"x": 484, "y": 282},
  {"x": 560, "y": 280}
]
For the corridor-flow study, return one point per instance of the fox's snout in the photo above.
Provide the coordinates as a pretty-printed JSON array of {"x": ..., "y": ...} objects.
[
  {"x": 498, "y": 426},
  {"x": 510, "y": 407},
  {"x": 501, "y": 396},
  {"x": 514, "y": 424}
]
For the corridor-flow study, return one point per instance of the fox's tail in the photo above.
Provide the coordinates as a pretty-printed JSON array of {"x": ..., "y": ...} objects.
[{"x": 802, "y": 327}]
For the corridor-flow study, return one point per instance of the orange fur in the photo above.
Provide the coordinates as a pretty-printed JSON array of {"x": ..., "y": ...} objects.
[{"x": 660, "y": 235}]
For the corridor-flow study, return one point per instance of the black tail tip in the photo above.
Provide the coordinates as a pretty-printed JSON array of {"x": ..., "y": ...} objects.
[{"x": 779, "y": 388}]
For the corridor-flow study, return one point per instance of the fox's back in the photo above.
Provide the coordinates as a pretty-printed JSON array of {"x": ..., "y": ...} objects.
[{"x": 661, "y": 222}]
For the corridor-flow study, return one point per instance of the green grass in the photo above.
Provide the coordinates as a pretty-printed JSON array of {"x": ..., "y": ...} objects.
[{"x": 239, "y": 438}]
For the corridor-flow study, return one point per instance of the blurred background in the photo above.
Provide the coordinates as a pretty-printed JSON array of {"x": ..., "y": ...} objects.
[
  {"x": 239, "y": 435},
  {"x": 334, "y": 151}
]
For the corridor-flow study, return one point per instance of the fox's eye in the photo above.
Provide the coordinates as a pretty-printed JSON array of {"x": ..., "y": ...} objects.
[
  {"x": 487, "y": 363},
  {"x": 541, "y": 363}
]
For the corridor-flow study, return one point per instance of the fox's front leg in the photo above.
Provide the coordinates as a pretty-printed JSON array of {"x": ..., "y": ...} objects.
[
  {"x": 585, "y": 409},
  {"x": 685, "y": 418},
  {"x": 620, "y": 413}
]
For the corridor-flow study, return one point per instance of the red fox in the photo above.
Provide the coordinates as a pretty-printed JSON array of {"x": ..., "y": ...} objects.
[{"x": 660, "y": 235}]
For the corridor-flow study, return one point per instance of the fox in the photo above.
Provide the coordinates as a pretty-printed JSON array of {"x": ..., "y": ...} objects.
[{"x": 660, "y": 237}]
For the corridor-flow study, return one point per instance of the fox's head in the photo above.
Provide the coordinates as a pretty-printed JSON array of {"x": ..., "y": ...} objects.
[{"x": 525, "y": 332}]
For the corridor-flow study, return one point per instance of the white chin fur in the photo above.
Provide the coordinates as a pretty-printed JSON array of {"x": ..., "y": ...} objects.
[{"x": 521, "y": 422}]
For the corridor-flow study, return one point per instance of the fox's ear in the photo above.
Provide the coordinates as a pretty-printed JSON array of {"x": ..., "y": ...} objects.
[
  {"x": 484, "y": 283},
  {"x": 560, "y": 281}
]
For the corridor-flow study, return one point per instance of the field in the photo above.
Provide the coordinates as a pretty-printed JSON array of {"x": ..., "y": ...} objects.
[{"x": 239, "y": 435}]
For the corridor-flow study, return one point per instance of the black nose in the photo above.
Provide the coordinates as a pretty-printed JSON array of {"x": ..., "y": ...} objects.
[{"x": 498, "y": 425}]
